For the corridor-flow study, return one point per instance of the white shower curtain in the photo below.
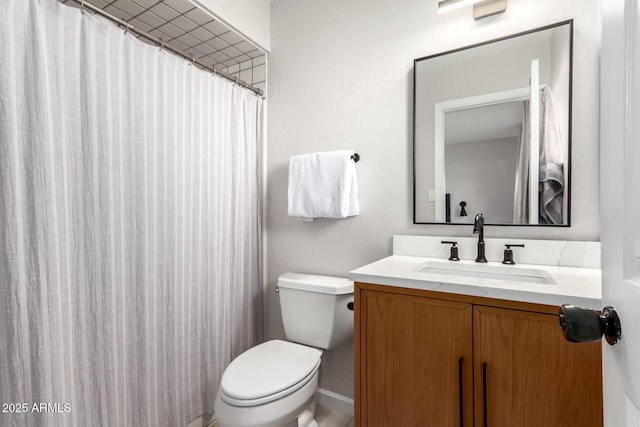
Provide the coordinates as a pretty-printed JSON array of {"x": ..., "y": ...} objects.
[
  {"x": 521, "y": 191},
  {"x": 129, "y": 224}
]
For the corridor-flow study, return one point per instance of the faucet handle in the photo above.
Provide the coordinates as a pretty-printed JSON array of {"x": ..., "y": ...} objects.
[
  {"x": 508, "y": 253},
  {"x": 453, "y": 256}
]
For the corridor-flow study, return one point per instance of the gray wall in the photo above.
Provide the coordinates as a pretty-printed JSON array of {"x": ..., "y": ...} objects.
[
  {"x": 340, "y": 76},
  {"x": 482, "y": 173}
]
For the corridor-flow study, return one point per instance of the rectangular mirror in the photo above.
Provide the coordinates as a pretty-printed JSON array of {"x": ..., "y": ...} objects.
[{"x": 474, "y": 149}]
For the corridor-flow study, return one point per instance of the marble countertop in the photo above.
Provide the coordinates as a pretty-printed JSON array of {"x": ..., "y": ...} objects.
[{"x": 573, "y": 285}]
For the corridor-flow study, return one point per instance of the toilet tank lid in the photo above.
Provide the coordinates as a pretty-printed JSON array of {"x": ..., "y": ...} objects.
[{"x": 315, "y": 283}]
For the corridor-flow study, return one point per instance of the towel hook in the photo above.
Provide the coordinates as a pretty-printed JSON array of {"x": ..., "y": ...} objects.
[{"x": 463, "y": 211}]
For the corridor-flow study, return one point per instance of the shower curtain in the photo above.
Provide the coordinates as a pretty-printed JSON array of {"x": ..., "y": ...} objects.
[
  {"x": 551, "y": 169},
  {"x": 521, "y": 192},
  {"x": 129, "y": 225}
]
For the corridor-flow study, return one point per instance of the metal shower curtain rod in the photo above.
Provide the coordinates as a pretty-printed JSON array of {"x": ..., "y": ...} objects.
[{"x": 128, "y": 27}]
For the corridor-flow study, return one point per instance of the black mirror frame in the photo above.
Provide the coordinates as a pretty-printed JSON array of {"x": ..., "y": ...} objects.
[{"x": 570, "y": 124}]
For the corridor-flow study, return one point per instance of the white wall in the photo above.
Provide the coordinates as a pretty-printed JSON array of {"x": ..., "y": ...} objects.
[
  {"x": 340, "y": 76},
  {"x": 248, "y": 17}
]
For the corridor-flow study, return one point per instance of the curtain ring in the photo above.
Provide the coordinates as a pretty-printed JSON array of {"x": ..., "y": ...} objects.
[
  {"x": 161, "y": 43},
  {"x": 82, "y": 5},
  {"x": 126, "y": 27}
]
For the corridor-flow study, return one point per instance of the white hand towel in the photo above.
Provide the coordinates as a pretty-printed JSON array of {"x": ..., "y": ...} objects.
[{"x": 323, "y": 185}]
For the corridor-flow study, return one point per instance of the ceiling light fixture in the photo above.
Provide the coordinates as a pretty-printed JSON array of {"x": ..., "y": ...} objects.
[
  {"x": 448, "y": 5},
  {"x": 481, "y": 8}
]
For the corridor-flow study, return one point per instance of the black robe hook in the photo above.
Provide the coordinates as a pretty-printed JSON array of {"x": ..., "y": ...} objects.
[{"x": 463, "y": 212}]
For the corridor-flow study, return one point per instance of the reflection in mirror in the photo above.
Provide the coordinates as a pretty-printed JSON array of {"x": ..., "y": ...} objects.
[
  {"x": 489, "y": 136},
  {"x": 474, "y": 147}
]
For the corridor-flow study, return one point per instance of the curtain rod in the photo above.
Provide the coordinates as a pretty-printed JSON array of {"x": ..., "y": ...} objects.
[{"x": 128, "y": 27}]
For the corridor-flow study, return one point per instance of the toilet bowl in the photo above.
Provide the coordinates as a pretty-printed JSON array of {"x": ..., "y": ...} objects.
[
  {"x": 268, "y": 385},
  {"x": 273, "y": 384}
]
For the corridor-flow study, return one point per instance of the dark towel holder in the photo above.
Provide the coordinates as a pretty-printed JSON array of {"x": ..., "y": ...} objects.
[{"x": 355, "y": 157}]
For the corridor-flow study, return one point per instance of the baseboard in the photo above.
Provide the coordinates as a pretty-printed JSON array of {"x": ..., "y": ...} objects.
[{"x": 334, "y": 401}]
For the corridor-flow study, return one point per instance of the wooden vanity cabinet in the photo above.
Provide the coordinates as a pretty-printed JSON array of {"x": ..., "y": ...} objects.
[
  {"x": 425, "y": 358},
  {"x": 404, "y": 382}
]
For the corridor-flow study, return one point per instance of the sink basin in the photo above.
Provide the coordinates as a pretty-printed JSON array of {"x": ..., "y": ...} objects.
[{"x": 492, "y": 272}]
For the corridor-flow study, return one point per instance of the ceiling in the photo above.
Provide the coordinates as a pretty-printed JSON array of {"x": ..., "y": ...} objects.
[{"x": 493, "y": 122}]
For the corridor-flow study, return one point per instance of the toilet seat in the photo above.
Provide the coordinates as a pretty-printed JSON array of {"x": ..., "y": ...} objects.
[{"x": 268, "y": 372}]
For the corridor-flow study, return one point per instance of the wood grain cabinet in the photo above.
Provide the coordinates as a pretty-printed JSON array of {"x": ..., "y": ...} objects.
[{"x": 425, "y": 358}]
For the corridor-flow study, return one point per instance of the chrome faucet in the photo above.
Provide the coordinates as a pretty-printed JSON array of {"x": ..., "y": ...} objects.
[{"x": 478, "y": 228}]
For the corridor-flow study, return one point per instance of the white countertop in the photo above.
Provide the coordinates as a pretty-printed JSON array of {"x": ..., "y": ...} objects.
[{"x": 577, "y": 286}]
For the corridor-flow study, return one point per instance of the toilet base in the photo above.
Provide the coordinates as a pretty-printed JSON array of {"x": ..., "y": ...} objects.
[{"x": 305, "y": 419}]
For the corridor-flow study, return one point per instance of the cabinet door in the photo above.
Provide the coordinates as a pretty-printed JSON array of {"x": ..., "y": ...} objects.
[
  {"x": 415, "y": 358},
  {"x": 527, "y": 374}
]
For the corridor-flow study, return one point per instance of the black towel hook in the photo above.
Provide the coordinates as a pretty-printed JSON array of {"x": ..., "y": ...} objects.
[{"x": 463, "y": 212}]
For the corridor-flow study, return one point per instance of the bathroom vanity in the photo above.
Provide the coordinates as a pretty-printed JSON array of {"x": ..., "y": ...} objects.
[{"x": 435, "y": 348}]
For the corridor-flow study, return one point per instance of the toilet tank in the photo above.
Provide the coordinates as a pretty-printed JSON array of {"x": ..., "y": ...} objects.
[{"x": 314, "y": 309}]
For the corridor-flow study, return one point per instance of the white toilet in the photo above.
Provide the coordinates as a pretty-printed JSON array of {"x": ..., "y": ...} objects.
[{"x": 273, "y": 384}]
